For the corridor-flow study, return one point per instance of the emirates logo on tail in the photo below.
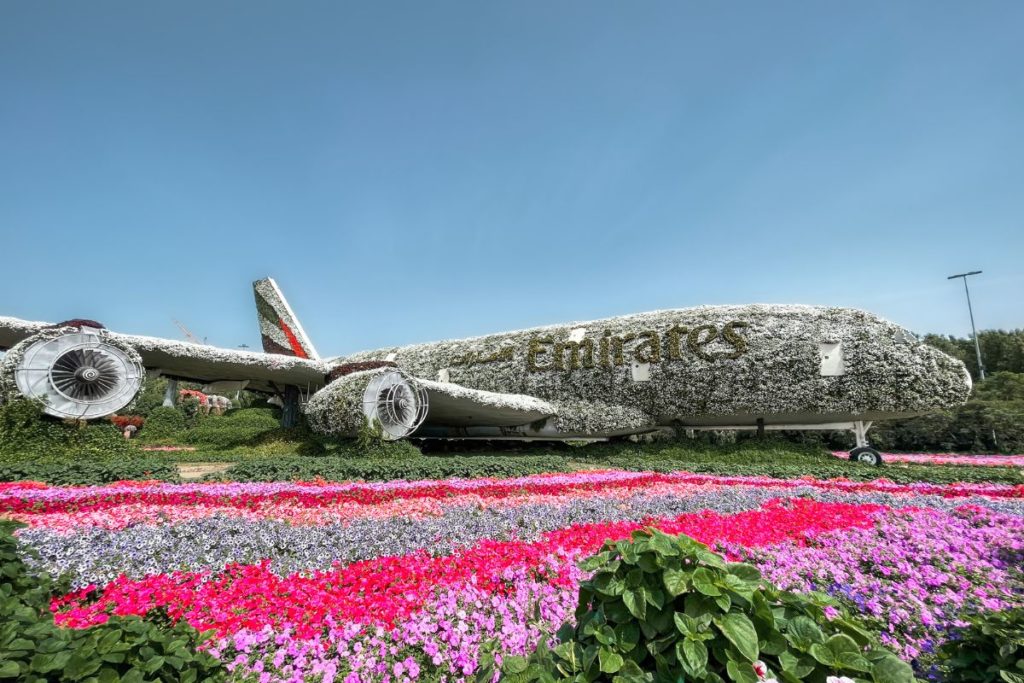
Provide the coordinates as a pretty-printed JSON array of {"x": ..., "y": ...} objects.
[{"x": 280, "y": 331}]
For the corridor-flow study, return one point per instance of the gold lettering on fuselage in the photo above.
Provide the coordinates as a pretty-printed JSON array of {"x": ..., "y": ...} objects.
[{"x": 544, "y": 353}]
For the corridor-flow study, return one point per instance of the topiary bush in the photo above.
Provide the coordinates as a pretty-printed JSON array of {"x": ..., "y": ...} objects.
[
  {"x": 989, "y": 650},
  {"x": 35, "y": 650},
  {"x": 664, "y": 608}
]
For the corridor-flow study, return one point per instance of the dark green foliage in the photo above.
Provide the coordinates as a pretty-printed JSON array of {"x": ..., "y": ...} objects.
[
  {"x": 38, "y": 448},
  {"x": 747, "y": 458},
  {"x": 664, "y": 608},
  {"x": 383, "y": 469},
  {"x": 1000, "y": 386},
  {"x": 151, "y": 398},
  {"x": 989, "y": 650},
  {"x": 71, "y": 472},
  {"x": 369, "y": 443},
  {"x": 236, "y": 428},
  {"x": 163, "y": 424},
  {"x": 26, "y": 434},
  {"x": 778, "y": 459},
  {"x": 34, "y": 649},
  {"x": 980, "y": 426},
  {"x": 1001, "y": 350}
]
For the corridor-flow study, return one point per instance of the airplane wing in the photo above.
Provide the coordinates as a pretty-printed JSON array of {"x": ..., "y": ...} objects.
[
  {"x": 197, "y": 362},
  {"x": 457, "y": 406},
  {"x": 13, "y": 331}
]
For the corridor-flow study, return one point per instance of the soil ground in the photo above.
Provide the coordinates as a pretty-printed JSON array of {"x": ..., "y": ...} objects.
[{"x": 190, "y": 471}]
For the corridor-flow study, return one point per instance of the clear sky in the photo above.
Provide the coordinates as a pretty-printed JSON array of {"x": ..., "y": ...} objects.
[{"x": 411, "y": 171}]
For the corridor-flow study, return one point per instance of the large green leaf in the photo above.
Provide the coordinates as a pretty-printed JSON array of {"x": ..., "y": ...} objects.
[
  {"x": 636, "y": 602},
  {"x": 695, "y": 653},
  {"x": 739, "y": 630},
  {"x": 892, "y": 669},
  {"x": 704, "y": 582},
  {"x": 803, "y": 632},
  {"x": 610, "y": 661},
  {"x": 676, "y": 581}
]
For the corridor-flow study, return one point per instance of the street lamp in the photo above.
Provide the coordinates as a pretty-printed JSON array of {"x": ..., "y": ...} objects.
[{"x": 977, "y": 347}]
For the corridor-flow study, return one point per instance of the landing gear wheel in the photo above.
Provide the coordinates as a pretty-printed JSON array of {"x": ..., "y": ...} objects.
[{"x": 867, "y": 455}]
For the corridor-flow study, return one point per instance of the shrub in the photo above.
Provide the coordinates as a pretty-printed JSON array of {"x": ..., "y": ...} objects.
[
  {"x": 163, "y": 424},
  {"x": 664, "y": 608},
  {"x": 779, "y": 459},
  {"x": 234, "y": 429},
  {"x": 990, "y": 649},
  {"x": 71, "y": 472},
  {"x": 34, "y": 649},
  {"x": 384, "y": 469},
  {"x": 26, "y": 433},
  {"x": 370, "y": 443}
]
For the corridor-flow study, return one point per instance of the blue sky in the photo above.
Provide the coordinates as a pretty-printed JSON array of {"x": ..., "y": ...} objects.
[{"x": 411, "y": 171}]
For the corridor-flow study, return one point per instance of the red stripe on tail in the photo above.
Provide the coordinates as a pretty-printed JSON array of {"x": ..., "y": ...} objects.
[{"x": 293, "y": 341}]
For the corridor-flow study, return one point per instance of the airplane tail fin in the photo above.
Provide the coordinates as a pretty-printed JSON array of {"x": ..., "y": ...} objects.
[{"x": 280, "y": 330}]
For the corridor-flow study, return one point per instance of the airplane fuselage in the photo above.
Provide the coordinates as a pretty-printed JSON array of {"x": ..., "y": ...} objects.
[{"x": 728, "y": 365}]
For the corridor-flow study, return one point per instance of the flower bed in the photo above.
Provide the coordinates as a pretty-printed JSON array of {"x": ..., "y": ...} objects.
[{"x": 405, "y": 580}]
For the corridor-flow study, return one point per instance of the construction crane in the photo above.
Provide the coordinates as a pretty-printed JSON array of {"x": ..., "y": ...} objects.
[{"x": 188, "y": 333}]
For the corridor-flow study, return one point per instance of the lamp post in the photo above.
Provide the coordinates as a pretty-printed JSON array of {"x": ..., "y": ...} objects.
[{"x": 977, "y": 347}]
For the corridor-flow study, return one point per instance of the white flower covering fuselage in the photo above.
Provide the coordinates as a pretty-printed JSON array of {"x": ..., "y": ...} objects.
[{"x": 728, "y": 365}]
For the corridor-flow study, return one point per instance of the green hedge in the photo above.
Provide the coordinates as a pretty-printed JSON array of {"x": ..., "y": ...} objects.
[
  {"x": 88, "y": 472},
  {"x": 857, "y": 471},
  {"x": 27, "y": 434},
  {"x": 385, "y": 469},
  {"x": 783, "y": 460}
]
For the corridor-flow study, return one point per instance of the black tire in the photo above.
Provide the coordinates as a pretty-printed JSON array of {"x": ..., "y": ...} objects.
[{"x": 866, "y": 454}]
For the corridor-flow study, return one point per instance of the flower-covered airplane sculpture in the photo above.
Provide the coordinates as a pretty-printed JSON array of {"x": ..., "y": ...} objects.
[{"x": 711, "y": 367}]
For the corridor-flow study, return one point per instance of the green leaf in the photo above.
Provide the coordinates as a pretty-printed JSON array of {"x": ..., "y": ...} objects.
[
  {"x": 892, "y": 669},
  {"x": 628, "y": 636},
  {"x": 594, "y": 561},
  {"x": 9, "y": 669},
  {"x": 610, "y": 661},
  {"x": 655, "y": 597},
  {"x": 108, "y": 675},
  {"x": 739, "y": 631},
  {"x": 1011, "y": 677},
  {"x": 741, "y": 672},
  {"x": 803, "y": 632},
  {"x": 661, "y": 543},
  {"x": 747, "y": 572},
  {"x": 704, "y": 582},
  {"x": 514, "y": 664},
  {"x": 685, "y": 624},
  {"x": 636, "y": 602},
  {"x": 630, "y": 673},
  {"x": 80, "y": 666},
  {"x": 823, "y": 655},
  {"x": 676, "y": 581},
  {"x": 696, "y": 655}
]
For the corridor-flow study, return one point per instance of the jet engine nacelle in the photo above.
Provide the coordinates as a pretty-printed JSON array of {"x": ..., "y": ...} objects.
[
  {"x": 78, "y": 371},
  {"x": 386, "y": 397}
]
